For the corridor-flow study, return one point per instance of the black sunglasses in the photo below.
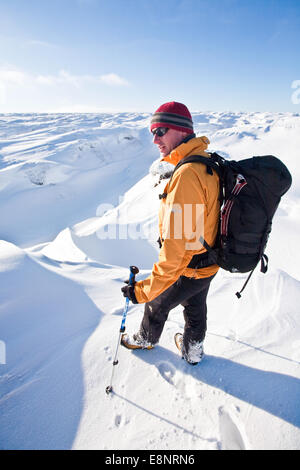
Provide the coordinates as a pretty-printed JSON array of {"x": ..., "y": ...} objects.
[{"x": 160, "y": 131}]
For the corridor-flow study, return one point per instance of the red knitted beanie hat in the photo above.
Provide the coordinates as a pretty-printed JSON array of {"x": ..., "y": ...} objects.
[{"x": 173, "y": 115}]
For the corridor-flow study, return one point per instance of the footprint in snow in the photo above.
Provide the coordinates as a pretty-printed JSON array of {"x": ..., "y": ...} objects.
[
  {"x": 107, "y": 351},
  {"x": 121, "y": 421},
  {"x": 118, "y": 420},
  {"x": 184, "y": 385},
  {"x": 167, "y": 371},
  {"x": 232, "y": 433}
]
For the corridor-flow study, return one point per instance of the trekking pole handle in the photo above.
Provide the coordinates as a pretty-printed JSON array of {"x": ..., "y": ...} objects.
[{"x": 133, "y": 271}]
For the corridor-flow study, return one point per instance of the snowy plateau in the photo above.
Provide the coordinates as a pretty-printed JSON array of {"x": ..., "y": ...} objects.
[{"x": 66, "y": 178}]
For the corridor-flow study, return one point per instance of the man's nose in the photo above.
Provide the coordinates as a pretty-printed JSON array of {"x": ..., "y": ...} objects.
[{"x": 156, "y": 139}]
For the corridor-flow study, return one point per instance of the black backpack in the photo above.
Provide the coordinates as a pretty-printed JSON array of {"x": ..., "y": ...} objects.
[{"x": 250, "y": 192}]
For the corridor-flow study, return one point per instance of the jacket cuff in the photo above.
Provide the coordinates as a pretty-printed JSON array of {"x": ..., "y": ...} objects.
[{"x": 139, "y": 294}]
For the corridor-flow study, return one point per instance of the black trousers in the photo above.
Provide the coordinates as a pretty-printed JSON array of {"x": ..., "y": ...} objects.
[{"x": 191, "y": 294}]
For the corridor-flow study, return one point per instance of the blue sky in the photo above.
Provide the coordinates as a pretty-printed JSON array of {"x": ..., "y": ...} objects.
[{"x": 133, "y": 55}]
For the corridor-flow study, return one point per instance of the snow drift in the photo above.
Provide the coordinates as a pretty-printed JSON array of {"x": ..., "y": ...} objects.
[{"x": 66, "y": 180}]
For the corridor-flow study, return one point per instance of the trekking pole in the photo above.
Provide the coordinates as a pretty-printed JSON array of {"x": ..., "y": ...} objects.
[{"x": 133, "y": 271}]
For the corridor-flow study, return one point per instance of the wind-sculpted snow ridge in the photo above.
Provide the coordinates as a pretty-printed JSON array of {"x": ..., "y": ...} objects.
[{"x": 78, "y": 206}]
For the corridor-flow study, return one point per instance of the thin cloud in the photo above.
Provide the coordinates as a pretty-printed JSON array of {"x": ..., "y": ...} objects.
[
  {"x": 37, "y": 42},
  {"x": 114, "y": 80},
  {"x": 15, "y": 82},
  {"x": 63, "y": 77},
  {"x": 12, "y": 76}
]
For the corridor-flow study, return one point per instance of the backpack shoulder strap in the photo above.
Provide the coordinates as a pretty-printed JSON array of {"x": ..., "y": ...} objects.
[
  {"x": 214, "y": 162},
  {"x": 210, "y": 162}
]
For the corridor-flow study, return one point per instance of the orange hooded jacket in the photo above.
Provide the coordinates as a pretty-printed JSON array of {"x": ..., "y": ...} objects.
[{"x": 190, "y": 209}]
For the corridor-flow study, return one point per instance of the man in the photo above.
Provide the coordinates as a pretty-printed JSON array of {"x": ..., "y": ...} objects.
[{"x": 174, "y": 279}]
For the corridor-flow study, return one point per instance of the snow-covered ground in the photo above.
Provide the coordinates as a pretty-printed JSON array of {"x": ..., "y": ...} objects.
[{"x": 66, "y": 180}]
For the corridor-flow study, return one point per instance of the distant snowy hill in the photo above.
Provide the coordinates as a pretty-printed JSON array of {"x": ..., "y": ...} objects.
[{"x": 78, "y": 206}]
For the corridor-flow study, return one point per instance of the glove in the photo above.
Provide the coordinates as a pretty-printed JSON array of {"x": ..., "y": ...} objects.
[{"x": 128, "y": 291}]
